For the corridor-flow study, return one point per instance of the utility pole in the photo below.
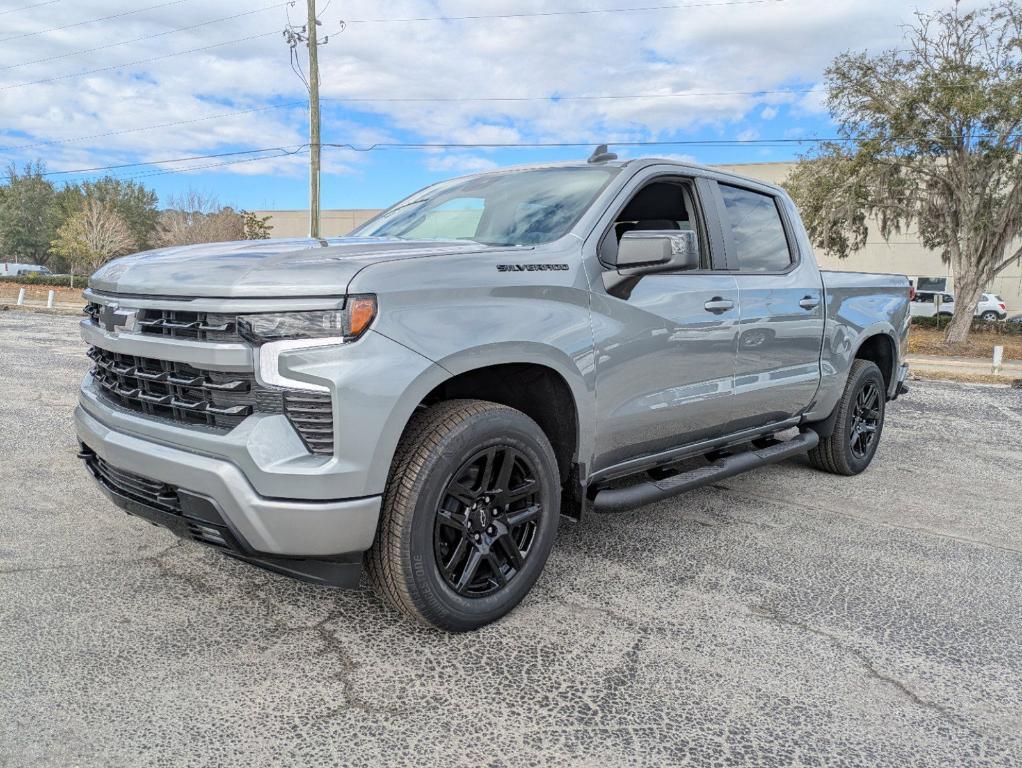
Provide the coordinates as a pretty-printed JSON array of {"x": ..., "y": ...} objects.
[
  {"x": 313, "y": 123},
  {"x": 306, "y": 35}
]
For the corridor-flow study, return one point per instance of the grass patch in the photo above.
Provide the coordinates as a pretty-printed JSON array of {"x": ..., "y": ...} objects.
[
  {"x": 965, "y": 378},
  {"x": 930, "y": 341}
]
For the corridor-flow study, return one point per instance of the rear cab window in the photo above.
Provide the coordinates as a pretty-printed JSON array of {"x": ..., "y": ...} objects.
[{"x": 757, "y": 231}]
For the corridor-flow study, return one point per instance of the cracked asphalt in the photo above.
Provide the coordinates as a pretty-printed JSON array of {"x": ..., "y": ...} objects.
[{"x": 785, "y": 617}]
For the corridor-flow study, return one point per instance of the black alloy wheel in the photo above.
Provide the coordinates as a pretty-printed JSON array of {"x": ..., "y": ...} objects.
[
  {"x": 469, "y": 514},
  {"x": 858, "y": 422},
  {"x": 865, "y": 420},
  {"x": 487, "y": 521}
]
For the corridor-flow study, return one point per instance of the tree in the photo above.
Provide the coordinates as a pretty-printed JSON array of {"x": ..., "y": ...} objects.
[
  {"x": 92, "y": 236},
  {"x": 134, "y": 203},
  {"x": 28, "y": 214},
  {"x": 199, "y": 218},
  {"x": 256, "y": 227},
  {"x": 929, "y": 137}
]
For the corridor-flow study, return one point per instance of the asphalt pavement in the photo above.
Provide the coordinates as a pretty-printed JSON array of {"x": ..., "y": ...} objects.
[{"x": 784, "y": 617}]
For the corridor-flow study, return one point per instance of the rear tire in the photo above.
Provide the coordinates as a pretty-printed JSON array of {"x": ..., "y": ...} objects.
[
  {"x": 989, "y": 317},
  {"x": 469, "y": 515},
  {"x": 860, "y": 422}
]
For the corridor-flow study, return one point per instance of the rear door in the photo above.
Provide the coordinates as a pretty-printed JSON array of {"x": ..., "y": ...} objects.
[{"x": 777, "y": 366}]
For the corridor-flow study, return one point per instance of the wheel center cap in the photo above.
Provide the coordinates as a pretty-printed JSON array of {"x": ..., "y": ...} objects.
[{"x": 481, "y": 519}]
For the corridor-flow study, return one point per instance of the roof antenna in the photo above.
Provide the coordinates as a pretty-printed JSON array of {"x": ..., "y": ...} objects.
[{"x": 601, "y": 155}]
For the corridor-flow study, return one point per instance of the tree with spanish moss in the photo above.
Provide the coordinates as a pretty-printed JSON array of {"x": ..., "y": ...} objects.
[{"x": 929, "y": 137}]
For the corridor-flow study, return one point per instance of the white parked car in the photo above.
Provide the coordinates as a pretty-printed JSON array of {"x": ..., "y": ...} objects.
[
  {"x": 12, "y": 269},
  {"x": 931, "y": 303}
]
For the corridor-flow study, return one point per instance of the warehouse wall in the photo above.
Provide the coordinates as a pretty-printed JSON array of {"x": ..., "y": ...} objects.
[{"x": 331, "y": 223}]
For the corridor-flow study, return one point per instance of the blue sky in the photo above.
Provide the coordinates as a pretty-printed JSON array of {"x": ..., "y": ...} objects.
[{"x": 87, "y": 83}]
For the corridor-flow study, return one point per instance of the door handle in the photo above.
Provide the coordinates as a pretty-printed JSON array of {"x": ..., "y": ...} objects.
[
  {"x": 809, "y": 303},
  {"x": 717, "y": 305}
]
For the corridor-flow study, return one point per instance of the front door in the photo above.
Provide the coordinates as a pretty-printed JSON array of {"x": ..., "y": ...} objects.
[{"x": 665, "y": 344}]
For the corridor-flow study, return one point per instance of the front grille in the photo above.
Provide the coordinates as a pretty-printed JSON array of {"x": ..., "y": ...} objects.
[
  {"x": 218, "y": 400},
  {"x": 180, "y": 324},
  {"x": 194, "y": 516},
  {"x": 176, "y": 391},
  {"x": 141, "y": 489}
]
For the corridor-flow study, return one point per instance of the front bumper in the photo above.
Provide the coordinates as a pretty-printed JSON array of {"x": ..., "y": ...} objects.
[
  {"x": 258, "y": 526},
  {"x": 375, "y": 385}
]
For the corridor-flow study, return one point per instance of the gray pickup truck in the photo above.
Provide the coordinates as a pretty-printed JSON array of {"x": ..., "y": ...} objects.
[{"x": 428, "y": 396}]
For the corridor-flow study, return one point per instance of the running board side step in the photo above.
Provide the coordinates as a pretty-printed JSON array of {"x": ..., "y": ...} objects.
[{"x": 623, "y": 499}]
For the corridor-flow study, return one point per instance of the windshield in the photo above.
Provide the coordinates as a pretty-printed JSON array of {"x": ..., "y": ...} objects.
[{"x": 510, "y": 208}]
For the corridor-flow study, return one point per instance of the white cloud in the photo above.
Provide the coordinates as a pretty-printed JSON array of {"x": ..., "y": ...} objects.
[
  {"x": 699, "y": 62},
  {"x": 459, "y": 163}
]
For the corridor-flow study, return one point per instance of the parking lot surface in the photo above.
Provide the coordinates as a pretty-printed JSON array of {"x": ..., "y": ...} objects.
[{"x": 785, "y": 617}]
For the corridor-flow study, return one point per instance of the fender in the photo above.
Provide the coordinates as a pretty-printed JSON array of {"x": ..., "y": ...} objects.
[
  {"x": 841, "y": 345},
  {"x": 572, "y": 370}
]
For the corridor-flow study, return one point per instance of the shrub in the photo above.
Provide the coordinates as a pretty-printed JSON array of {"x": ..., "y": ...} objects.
[
  {"x": 36, "y": 278},
  {"x": 996, "y": 327}
]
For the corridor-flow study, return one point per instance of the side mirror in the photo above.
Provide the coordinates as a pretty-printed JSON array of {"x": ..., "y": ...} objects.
[{"x": 646, "y": 252}]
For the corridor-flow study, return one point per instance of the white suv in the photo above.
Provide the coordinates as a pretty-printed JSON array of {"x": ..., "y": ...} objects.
[{"x": 925, "y": 304}]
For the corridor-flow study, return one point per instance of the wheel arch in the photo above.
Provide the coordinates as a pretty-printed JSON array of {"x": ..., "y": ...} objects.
[
  {"x": 539, "y": 391},
  {"x": 881, "y": 349},
  {"x": 877, "y": 343}
]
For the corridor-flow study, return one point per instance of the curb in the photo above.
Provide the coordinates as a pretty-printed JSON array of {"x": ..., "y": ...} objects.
[{"x": 69, "y": 311}]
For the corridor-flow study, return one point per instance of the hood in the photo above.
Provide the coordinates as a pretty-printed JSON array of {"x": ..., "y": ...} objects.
[{"x": 261, "y": 268}]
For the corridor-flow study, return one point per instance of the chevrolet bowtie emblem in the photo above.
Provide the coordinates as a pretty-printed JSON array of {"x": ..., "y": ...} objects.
[{"x": 115, "y": 319}]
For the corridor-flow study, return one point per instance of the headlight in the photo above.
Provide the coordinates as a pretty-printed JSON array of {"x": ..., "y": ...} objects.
[{"x": 348, "y": 323}]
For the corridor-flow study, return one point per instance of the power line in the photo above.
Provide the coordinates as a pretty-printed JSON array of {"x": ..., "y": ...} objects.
[
  {"x": 48, "y": 59},
  {"x": 139, "y": 61},
  {"x": 452, "y": 145},
  {"x": 568, "y": 144},
  {"x": 497, "y": 145},
  {"x": 147, "y": 174},
  {"x": 581, "y": 12},
  {"x": 28, "y": 7},
  {"x": 93, "y": 21},
  {"x": 154, "y": 126},
  {"x": 630, "y": 143},
  {"x": 171, "y": 160},
  {"x": 556, "y": 98}
]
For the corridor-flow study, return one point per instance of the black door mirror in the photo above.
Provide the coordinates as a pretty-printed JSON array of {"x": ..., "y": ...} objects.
[{"x": 646, "y": 252}]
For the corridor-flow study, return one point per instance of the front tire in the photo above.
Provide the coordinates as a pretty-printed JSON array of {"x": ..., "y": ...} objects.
[
  {"x": 469, "y": 515},
  {"x": 860, "y": 422}
]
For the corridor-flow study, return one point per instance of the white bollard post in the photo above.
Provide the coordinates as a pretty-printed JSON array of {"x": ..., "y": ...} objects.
[
  {"x": 49, "y": 300},
  {"x": 998, "y": 358},
  {"x": 21, "y": 296}
]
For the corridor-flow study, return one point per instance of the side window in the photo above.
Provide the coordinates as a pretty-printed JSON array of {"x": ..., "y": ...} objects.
[
  {"x": 658, "y": 206},
  {"x": 758, "y": 234},
  {"x": 924, "y": 298}
]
